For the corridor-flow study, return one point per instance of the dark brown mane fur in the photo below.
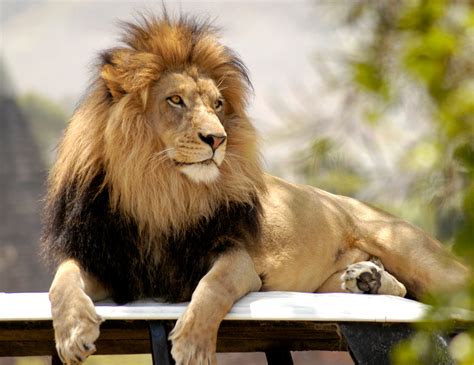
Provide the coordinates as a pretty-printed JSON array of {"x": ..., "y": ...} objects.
[{"x": 130, "y": 219}]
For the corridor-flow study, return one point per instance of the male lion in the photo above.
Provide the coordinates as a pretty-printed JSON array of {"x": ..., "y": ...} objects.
[{"x": 158, "y": 191}]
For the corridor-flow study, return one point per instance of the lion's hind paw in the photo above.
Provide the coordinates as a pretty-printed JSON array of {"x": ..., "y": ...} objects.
[
  {"x": 362, "y": 277},
  {"x": 370, "y": 277}
]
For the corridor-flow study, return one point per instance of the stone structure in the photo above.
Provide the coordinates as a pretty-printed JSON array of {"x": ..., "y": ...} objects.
[{"x": 22, "y": 176}]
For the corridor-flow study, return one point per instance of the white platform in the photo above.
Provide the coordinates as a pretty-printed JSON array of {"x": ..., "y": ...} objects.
[{"x": 334, "y": 307}]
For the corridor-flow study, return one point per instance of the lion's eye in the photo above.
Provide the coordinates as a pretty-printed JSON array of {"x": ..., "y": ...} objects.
[
  {"x": 175, "y": 101},
  {"x": 218, "y": 105}
]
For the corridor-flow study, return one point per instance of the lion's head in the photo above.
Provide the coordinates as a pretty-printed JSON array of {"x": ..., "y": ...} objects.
[{"x": 165, "y": 124}]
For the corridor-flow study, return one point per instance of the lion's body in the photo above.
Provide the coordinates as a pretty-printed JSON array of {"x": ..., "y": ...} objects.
[
  {"x": 158, "y": 191},
  {"x": 308, "y": 235}
]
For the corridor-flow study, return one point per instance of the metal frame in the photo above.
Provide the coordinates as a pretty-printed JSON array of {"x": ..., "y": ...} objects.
[
  {"x": 371, "y": 343},
  {"x": 160, "y": 346},
  {"x": 276, "y": 357}
]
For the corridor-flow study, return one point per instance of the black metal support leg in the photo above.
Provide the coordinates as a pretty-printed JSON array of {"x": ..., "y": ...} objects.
[
  {"x": 160, "y": 347},
  {"x": 371, "y": 343},
  {"x": 279, "y": 357}
]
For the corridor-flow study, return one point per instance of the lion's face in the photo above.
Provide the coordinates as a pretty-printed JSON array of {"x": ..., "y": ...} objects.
[{"x": 187, "y": 112}]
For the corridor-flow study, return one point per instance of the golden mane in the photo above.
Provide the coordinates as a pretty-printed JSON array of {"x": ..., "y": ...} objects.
[{"x": 110, "y": 132}]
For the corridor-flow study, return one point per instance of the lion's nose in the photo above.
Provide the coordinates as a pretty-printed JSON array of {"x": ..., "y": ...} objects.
[{"x": 213, "y": 140}]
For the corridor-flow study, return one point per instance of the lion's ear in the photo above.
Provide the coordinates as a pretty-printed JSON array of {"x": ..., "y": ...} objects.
[{"x": 126, "y": 71}]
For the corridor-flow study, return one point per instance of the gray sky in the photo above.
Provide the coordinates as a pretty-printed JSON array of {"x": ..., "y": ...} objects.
[{"x": 48, "y": 46}]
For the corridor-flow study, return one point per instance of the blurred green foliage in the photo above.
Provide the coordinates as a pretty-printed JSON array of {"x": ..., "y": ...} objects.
[
  {"x": 333, "y": 166},
  {"x": 421, "y": 50},
  {"x": 431, "y": 45}
]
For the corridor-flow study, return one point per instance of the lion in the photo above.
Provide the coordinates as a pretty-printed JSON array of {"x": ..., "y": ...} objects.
[{"x": 158, "y": 191}]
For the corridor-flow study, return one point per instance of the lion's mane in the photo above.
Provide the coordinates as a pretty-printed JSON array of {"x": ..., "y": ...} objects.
[{"x": 122, "y": 210}]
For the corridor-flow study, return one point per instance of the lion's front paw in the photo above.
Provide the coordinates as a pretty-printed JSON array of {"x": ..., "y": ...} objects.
[
  {"x": 193, "y": 343},
  {"x": 362, "y": 277},
  {"x": 76, "y": 326}
]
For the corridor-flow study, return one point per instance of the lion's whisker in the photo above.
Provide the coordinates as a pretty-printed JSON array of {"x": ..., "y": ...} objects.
[
  {"x": 161, "y": 156},
  {"x": 235, "y": 156}
]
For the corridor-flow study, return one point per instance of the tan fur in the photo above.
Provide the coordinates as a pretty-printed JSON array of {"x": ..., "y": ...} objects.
[{"x": 144, "y": 144}]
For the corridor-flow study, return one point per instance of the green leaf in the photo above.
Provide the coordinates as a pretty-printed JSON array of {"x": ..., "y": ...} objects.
[
  {"x": 465, "y": 155},
  {"x": 427, "y": 55},
  {"x": 369, "y": 77},
  {"x": 421, "y": 15}
]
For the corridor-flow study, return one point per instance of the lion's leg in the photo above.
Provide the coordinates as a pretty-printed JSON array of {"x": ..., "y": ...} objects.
[
  {"x": 332, "y": 284},
  {"x": 416, "y": 259},
  {"x": 76, "y": 323},
  {"x": 194, "y": 336}
]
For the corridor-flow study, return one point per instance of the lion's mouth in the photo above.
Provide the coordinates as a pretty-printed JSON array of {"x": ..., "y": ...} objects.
[{"x": 207, "y": 161}]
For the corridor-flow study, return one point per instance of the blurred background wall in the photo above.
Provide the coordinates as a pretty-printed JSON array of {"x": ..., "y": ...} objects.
[{"x": 22, "y": 174}]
